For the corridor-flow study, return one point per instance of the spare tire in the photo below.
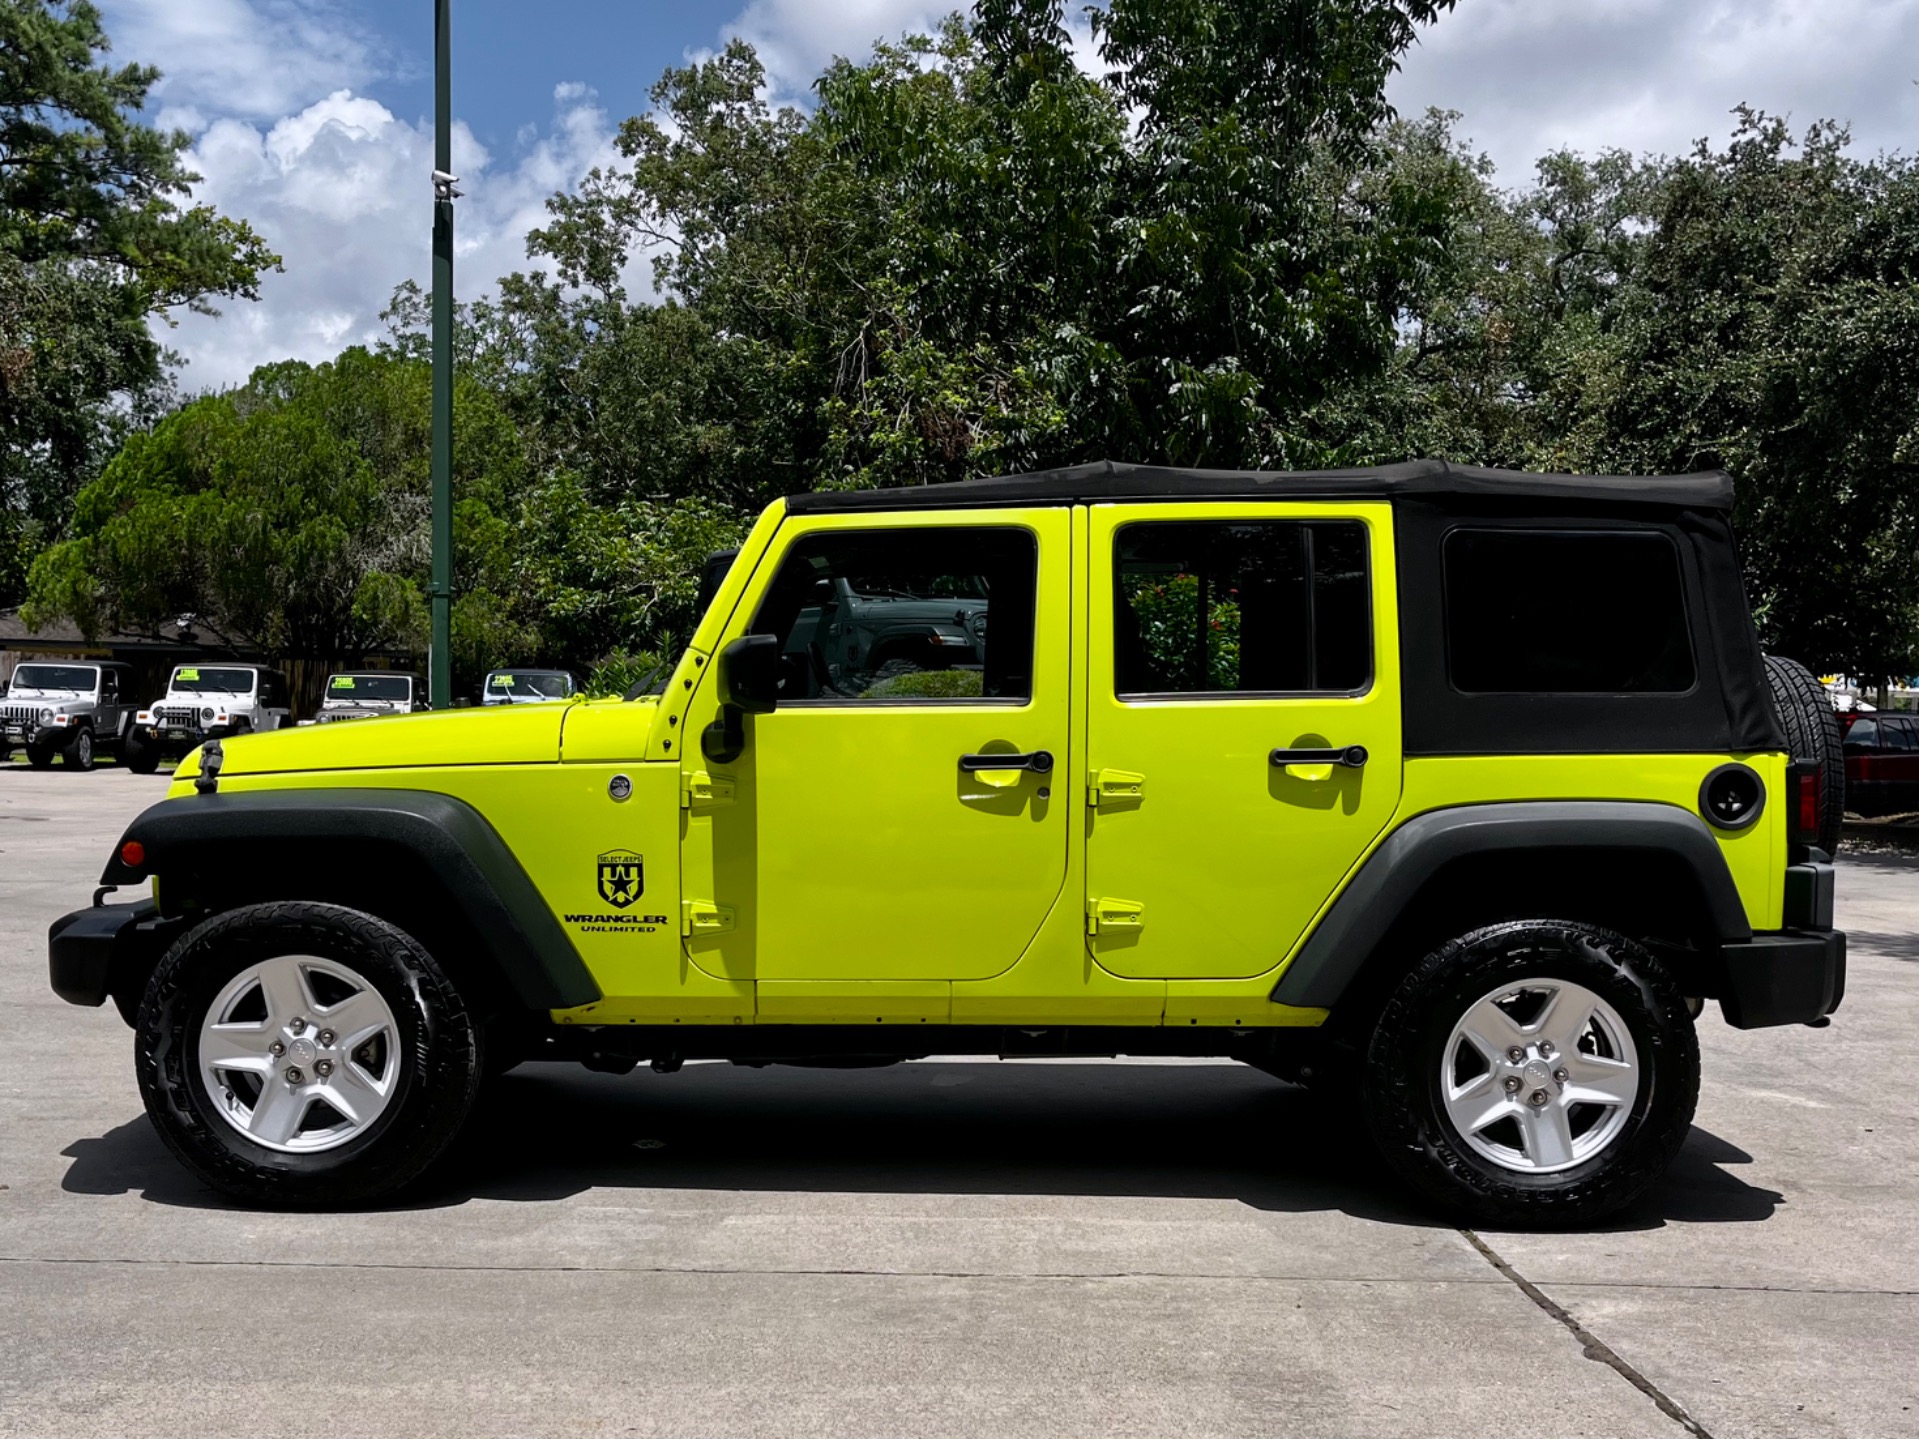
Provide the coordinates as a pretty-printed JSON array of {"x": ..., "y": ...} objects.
[{"x": 1811, "y": 727}]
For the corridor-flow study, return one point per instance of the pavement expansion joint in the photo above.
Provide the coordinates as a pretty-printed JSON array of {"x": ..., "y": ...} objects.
[
  {"x": 1594, "y": 1347},
  {"x": 1361, "y": 1281}
]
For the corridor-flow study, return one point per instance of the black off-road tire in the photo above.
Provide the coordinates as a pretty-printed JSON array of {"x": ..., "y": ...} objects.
[
  {"x": 1407, "y": 1118},
  {"x": 439, "y": 1075},
  {"x": 79, "y": 751},
  {"x": 1811, "y": 725},
  {"x": 139, "y": 754},
  {"x": 39, "y": 756}
]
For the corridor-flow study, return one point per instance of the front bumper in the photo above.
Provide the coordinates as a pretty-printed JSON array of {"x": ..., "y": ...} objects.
[
  {"x": 39, "y": 736},
  {"x": 1788, "y": 977},
  {"x": 109, "y": 949}
]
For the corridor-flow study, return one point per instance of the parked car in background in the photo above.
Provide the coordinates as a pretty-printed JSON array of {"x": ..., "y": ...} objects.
[
  {"x": 1882, "y": 763},
  {"x": 515, "y": 687},
  {"x": 206, "y": 702},
  {"x": 70, "y": 710},
  {"x": 370, "y": 694}
]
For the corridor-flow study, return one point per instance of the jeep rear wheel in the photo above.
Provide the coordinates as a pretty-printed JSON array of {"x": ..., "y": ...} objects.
[
  {"x": 1533, "y": 1074},
  {"x": 305, "y": 1055}
]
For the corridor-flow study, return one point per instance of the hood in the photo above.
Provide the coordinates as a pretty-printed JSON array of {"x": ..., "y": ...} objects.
[{"x": 521, "y": 734}]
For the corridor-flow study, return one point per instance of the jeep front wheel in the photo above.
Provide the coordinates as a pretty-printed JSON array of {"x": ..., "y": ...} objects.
[
  {"x": 305, "y": 1055},
  {"x": 140, "y": 752},
  {"x": 1533, "y": 1073},
  {"x": 40, "y": 756}
]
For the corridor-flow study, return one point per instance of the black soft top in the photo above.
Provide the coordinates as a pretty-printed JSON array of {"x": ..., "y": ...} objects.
[{"x": 1109, "y": 480}]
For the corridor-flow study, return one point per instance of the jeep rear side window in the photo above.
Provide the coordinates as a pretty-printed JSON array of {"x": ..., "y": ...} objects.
[
  {"x": 1558, "y": 612},
  {"x": 1241, "y": 607},
  {"x": 905, "y": 616}
]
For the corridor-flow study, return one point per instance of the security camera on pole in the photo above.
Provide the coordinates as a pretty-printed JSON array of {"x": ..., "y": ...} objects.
[{"x": 445, "y": 192}]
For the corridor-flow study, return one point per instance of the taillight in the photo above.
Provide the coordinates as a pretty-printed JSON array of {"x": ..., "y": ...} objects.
[
  {"x": 133, "y": 854},
  {"x": 1808, "y": 804},
  {"x": 1808, "y": 781}
]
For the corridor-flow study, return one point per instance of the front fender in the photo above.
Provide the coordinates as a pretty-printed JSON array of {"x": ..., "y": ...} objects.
[{"x": 434, "y": 857}]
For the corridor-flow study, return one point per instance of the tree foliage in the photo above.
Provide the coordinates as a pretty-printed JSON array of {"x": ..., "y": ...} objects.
[
  {"x": 290, "y": 515},
  {"x": 967, "y": 255},
  {"x": 95, "y": 240}
]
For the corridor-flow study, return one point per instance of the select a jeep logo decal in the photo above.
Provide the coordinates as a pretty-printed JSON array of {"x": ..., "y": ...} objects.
[{"x": 622, "y": 877}]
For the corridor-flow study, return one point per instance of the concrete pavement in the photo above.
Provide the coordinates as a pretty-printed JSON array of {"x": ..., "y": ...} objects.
[{"x": 946, "y": 1248}]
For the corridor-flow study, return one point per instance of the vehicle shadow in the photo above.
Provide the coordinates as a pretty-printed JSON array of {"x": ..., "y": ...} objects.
[{"x": 548, "y": 1132}]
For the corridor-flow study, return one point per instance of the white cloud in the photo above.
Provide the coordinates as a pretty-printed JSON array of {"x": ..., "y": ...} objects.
[
  {"x": 1652, "y": 76},
  {"x": 255, "y": 58},
  {"x": 340, "y": 189},
  {"x": 797, "y": 39}
]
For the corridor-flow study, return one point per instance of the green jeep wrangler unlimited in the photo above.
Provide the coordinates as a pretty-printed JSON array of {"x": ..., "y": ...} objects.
[{"x": 1458, "y": 792}]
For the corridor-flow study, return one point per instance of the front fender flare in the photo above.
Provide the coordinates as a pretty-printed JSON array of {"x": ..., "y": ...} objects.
[
  {"x": 1393, "y": 876},
  {"x": 314, "y": 831}
]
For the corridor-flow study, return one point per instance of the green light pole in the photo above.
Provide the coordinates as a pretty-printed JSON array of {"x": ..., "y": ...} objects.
[{"x": 440, "y": 591}]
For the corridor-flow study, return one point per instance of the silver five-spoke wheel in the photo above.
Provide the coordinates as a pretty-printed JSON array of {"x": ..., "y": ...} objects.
[
  {"x": 300, "y": 1054},
  {"x": 1539, "y": 1075}
]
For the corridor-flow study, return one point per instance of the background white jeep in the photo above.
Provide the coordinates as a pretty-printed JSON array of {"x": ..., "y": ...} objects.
[{"x": 206, "y": 702}]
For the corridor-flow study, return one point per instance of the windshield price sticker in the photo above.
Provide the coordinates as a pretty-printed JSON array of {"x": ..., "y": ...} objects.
[
  {"x": 193, "y": 675},
  {"x": 343, "y": 682}
]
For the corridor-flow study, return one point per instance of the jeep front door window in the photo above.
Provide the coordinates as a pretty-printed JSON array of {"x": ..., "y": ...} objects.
[{"x": 880, "y": 617}]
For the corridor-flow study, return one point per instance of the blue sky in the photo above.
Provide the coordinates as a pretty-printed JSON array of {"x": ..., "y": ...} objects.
[{"x": 312, "y": 118}]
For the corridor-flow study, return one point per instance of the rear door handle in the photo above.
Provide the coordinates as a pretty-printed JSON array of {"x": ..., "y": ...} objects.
[
  {"x": 1039, "y": 762},
  {"x": 1353, "y": 756}
]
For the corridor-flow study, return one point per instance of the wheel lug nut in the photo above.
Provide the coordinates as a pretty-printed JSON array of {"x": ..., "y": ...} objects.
[
  {"x": 1537, "y": 1099},
  {"x": 276, "y": 1049},
  {"x": 1545, "y": 1049},
  {"x": 1561, "y": 1075},
  {"x": 323, "y": 1068},
  {"x": 1512, "y": 1084},
  {"x": 299, "y": 1026},
  {"x": 325, "y": 1037},
  {"x": 294, "y": 1076},
  {"x": 1516, "y": 1055}
]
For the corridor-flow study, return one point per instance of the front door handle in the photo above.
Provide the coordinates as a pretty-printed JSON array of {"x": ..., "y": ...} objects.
[
  {"x": 1039, "y": 762},
  {"x": 1352, "y": 756}
]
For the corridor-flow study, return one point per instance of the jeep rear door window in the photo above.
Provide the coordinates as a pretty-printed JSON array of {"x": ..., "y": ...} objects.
[
  {"x": 905, "y": 615},
  {"x": 1242, "y": 607},
  {"x": 1561, "y": 612}
]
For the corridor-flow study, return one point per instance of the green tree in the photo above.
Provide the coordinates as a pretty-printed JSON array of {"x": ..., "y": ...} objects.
[
  {"x": 95, "y": 242},
  {"x": 290, "y": 514}
]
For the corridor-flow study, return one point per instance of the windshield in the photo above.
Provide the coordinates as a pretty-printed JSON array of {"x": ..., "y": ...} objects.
[
  {"x": 79, "y": 678},
  {"x": 525, "y": 684},
  {"x": 351, "y": 689},
  {"x": 205, "y": 681}
]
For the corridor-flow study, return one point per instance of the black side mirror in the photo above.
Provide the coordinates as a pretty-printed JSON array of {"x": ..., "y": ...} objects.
[
  {"x": 749, "y": 684},
  {"x": 750, "y": 674}
]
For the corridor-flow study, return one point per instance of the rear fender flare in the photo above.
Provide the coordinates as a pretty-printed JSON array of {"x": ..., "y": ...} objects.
[{"x": 1394, "y": 876}]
